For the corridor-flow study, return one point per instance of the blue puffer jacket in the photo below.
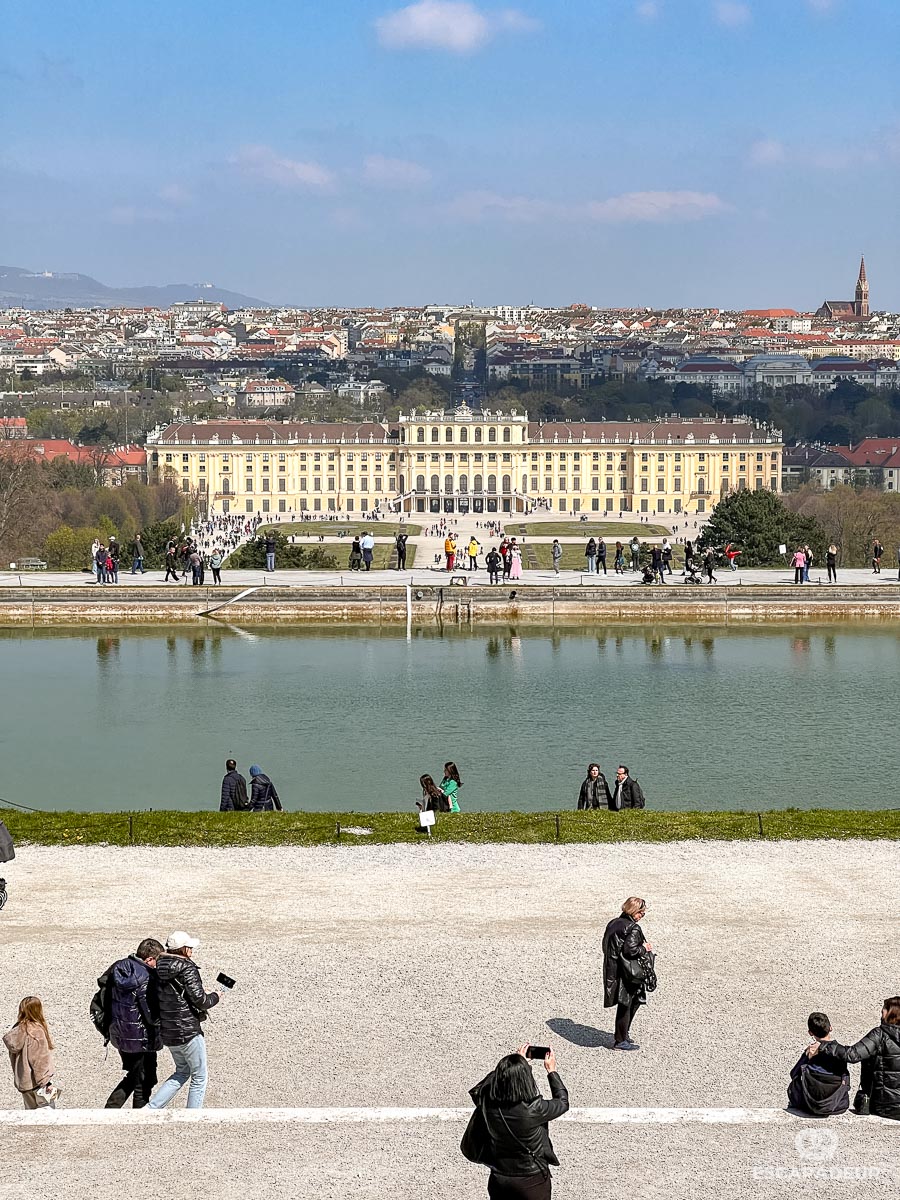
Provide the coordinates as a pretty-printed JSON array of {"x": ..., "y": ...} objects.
[{"x": 134, "y": 1007}]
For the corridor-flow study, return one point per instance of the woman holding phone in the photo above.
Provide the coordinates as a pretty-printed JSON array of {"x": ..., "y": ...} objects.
[{"x": 508, "y": 1130}]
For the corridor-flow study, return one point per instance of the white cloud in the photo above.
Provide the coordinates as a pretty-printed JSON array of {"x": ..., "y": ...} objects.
[
  {"x": 261, "y": 162},
  {"x": 655, "y": 207},
  {"x": 394, "y": 172},
  {"x": 767, "y": 152},
  {"x": 175, "y": 194},
  {"x": 731, "y": 13},
  {"x": 648, "y": 10},
  {"x": 628, "y": 208},
  {"x": 455, "y": 25}
]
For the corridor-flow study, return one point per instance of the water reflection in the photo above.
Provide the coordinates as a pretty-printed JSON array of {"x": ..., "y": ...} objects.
[{"x": 107, "y": 650}]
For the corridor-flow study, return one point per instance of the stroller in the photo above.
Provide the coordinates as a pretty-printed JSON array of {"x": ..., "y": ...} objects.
[
  {"x": 7, "y": 854},
  {"x": 692, "y": 574}
]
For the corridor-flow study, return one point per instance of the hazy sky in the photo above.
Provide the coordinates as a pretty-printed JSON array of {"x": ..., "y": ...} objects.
[{"x": 686, "y": 152}]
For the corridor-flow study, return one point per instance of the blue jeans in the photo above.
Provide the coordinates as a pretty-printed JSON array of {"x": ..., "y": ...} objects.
[
  {"x": 137, "y": 565},
  {"x": 190, "y": 1064},
  {"x": 270, "y": 562},
  {"x": 592, "y": 562}
]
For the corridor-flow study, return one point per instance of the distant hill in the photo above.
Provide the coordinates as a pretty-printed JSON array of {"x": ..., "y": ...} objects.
[{"x": 52, "y": 289}]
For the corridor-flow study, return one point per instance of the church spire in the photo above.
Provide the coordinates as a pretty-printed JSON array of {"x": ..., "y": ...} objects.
[{"x": 861, "y": 306}]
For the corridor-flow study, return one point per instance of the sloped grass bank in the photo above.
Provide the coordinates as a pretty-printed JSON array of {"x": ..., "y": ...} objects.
[{"x": 176, "y": 828}]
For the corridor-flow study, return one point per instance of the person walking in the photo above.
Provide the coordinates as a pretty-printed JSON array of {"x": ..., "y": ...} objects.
[
  {"x": 594, "y": 791},
  {"x": 215, "y": 562},
  {"x": 367, "y": 545},
  {"x": 879, "y": 1054},
  {"x": 508, "y": 1130},
  {"x": 134, "y": 1022},
  {"x": 450, "y": 551},
  {"x": 798, "y": 562},
  {"x": 831, "y": 562},
  {"x": 808, "y": 555},
  {"x": 137, "y": 555},
  {"x": 270, "y": 546},
  {"x": 30, "y": 1049},
  {"x": 656, "y": 564},
  {"x": 474, "y": 549},
  {"x": 709, "y": 565},
  {"x": 494, "y": 563},
  {"x": 183, "y": 1005},
  {"x": 515, "y": 561},
  {"x": 619, "y": 560},
  {"x": 601, "y": 555},
  {"x": 263, "y": 796},
  {"x": 635, "y": 548},
  {"x": 450, "y": 785},
  {"x": 590, "y": 553},
  {"x": 624, "y": 969},
  {"x": 234, "y": 790},
  {"x": 114, "y": 553},
  {"x": 666, "y": 552},
  {"x": 196, "y": 563},
  {"x": 356, "y": 555},
  {"x": 626, "y": 792},
  {"x": 95, "y": 546},
  {"x": 877, "y": 555},
  {"x": 171, "y": 561},
  {"x": 556, "y": 554},
  {"x": 400, "y": 544}
]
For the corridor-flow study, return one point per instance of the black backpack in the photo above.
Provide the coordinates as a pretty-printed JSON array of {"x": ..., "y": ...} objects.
[
  {"x": 241, "y": 800},
  {"x": 101, "y": 1004}
]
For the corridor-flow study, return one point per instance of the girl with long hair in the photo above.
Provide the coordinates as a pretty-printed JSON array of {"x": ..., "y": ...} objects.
[
  {"x": 30, "y": 1049},
  {"x": 433, "y": 799},
  {"x": 450, "y": 785}
]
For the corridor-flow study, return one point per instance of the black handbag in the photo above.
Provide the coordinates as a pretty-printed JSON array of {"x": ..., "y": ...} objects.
[{"x": 476, "y": 1140}]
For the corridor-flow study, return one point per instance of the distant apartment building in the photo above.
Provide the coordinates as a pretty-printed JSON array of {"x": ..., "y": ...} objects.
[{"x": 265, "y": 393}]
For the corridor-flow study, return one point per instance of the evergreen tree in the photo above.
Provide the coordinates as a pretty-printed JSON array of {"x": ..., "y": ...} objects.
[{"x": 757, "y": 523}]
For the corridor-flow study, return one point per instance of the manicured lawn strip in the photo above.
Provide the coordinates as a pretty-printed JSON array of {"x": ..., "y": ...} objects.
[
  {"x": 175, "y": 828},
  {"x": 333, "y": 528},
  {"x": 615, "y": 529}
]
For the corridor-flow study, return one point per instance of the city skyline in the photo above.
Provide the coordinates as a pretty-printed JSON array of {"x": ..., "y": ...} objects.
[{"x": 660, "y": 154}]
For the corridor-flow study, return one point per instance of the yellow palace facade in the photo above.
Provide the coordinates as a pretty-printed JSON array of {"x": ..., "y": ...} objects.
[{"x": 463, "y": 461}]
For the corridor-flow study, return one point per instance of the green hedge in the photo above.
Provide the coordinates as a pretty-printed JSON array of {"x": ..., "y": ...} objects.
[{"x": 176, "y": 828}]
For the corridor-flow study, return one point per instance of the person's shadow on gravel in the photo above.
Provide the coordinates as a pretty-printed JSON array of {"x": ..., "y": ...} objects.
[{"x": 581, "y": 1035}]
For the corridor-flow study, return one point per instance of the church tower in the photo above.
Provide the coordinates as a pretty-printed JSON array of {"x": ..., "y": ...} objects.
[{"x": 862, "y": 291}]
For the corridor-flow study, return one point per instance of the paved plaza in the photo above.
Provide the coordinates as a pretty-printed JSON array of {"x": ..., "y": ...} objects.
[{"x": 394, "y": 977}]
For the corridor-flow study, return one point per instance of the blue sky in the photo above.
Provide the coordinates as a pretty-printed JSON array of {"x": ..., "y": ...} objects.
[{"x": 662, "y": 152}]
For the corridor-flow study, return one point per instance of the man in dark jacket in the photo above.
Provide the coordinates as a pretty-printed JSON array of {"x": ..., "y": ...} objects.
[
  {"x": 626, "y": 792},
  {"x": 270, "y": 552},
  {"x": 493, "y": 562},
  {"x": 819, "y": 1086},
  {"x": 401, "y": 540},
  {"x": 879, "y": 1054},
  {"x": 623, "y": 969},
  {"x": 234, "y": 790},
  {"x": 183, "y": 1004},
  {"x": 263, "y": 797},
  {"x": 134, "y": 1022},
  {"x": 594, "y": 790}
]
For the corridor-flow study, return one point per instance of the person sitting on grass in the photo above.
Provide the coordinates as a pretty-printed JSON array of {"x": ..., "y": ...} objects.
[
  {"x": 433, "y": 799},
  {"x": 450, "y": 785},
  {"x": 819, "y": 1086}
]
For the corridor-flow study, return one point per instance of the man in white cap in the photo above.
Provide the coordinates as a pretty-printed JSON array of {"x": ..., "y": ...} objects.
[{"x": 183, "y": 1004}]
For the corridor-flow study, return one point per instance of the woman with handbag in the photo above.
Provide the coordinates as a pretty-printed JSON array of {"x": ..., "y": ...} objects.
[
  {"x": 508, "y": 1130},
  {"x": 627, "y": 969},
  {"x": 31, "y": 1056}
]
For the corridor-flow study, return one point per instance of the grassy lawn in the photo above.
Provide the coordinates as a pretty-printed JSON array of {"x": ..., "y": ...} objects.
[
  {"x": 381, "y": 529},
  {"x": 171, "y": 828},
  {"x": 573, "y": 558},
  {"x": 614, "y": 528}
]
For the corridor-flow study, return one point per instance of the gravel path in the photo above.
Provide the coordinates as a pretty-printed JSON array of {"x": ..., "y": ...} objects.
[{"x": 398, "y": 975}]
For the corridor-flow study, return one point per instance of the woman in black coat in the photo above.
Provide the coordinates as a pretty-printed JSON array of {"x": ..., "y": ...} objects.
[
  {"x": 623, "y": 969},
  {"x": 879, "y": 1053},
  {"x": 594, "y": 790},
  {"x": 508, "y": 1131}
]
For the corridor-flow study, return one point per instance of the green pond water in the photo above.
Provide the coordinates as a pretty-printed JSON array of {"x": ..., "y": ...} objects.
[{"x": 347, "y": 720}]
